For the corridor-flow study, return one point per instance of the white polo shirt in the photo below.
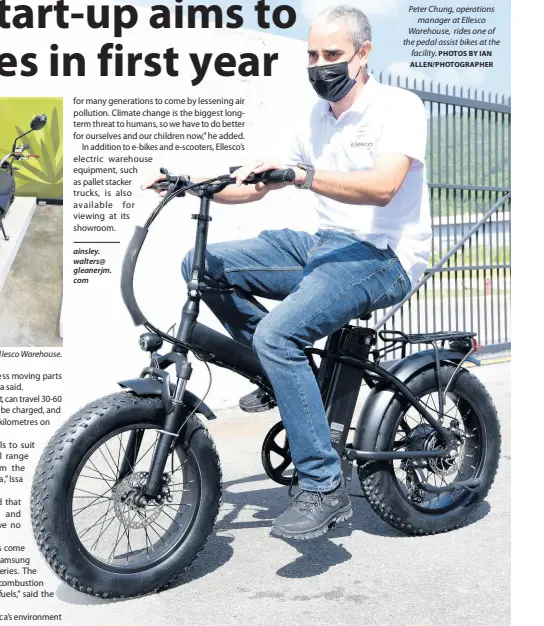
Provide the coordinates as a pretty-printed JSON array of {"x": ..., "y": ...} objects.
[{"x": 383, "y": 119}]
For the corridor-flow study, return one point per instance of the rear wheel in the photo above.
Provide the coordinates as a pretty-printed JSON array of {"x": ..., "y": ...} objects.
[
  {"x": 90, "y": 517},
  {"x": 396, "y": 492}
]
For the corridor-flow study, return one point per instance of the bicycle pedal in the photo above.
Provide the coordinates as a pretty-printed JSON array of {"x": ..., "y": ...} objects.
[{"x": 259, "y": 409}]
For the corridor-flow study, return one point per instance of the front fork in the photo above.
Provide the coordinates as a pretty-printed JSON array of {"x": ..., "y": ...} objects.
[
  {"x": 173, "y": 406},
  {"x": 173, "y": 423}
]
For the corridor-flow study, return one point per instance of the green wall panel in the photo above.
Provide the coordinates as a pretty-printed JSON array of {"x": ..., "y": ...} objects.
[{"x": 38, "y": 178}]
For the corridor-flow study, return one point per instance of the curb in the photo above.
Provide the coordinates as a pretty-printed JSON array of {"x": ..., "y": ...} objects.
[{"x": 491, "y": 360}]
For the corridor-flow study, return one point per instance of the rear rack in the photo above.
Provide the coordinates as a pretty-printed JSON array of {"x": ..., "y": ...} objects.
[{"x": 397, "y": 336}]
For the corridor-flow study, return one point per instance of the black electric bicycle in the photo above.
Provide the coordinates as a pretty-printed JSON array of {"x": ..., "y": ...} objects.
[
  {"x": 7, "y": 169},
  {"x": 127, "y": 491}
]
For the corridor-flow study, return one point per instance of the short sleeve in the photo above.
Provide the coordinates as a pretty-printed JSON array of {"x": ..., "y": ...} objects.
[
  {"x": 292, "y": 153},
  {"x": 404, "y": 128}
]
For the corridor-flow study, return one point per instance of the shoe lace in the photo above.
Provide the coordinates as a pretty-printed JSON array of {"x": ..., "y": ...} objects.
[{"x": 306, "y": 501}]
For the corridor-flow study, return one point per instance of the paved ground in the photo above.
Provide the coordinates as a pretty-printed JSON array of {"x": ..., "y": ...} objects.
[
  {"x": 364, "y": 573},
  {"x": 31, "y": 298}
]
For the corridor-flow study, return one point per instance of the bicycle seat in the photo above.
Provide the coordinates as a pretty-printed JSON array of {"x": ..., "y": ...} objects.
[{"x": 365, "y": 317}]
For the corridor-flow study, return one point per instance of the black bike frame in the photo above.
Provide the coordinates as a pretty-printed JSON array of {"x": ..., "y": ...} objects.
[{"x": 344, "y": 365}]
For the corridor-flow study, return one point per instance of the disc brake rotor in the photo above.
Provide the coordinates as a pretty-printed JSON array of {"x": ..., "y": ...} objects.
[
  {"x": 127, "y": 503},
  {"x": 447, "y": 466}
]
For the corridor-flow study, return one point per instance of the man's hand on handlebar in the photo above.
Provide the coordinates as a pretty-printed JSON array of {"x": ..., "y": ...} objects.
[
  {"x": 158, "y": 184},
  {"x": 166, "y": 182},
  {"x": 245, "y": 184},
  {"x": 260, "y": 166}
]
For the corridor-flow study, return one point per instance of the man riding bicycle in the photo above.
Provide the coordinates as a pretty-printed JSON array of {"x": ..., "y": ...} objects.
[{"x": 361, "y": 153}]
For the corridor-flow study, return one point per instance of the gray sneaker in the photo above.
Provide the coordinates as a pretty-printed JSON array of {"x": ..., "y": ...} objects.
[{"x": 311, "y": 514}]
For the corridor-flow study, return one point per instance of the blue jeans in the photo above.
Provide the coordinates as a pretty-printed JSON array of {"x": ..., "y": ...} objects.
[{"x": 323, "y": 281}]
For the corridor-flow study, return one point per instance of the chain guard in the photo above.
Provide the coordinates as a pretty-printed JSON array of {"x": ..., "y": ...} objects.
[{"x": 277, "y": 472}]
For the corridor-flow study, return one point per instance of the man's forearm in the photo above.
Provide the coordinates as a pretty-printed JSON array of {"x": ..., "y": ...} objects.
[
  {"x": 368, "y": 187},
  {"x": 233, "y": 194}
]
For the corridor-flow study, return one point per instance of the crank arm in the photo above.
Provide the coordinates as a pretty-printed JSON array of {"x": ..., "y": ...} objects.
[{"x": 206, "y": 289}]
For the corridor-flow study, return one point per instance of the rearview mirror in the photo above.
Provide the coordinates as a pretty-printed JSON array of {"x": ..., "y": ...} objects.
[{"x": 38, "y": 122}]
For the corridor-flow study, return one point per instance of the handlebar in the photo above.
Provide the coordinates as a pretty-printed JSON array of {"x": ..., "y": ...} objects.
[
  {"x": 176, "y": 186},
  {"x": 270, "y": 177},
  {"x": 173, "y": 183}
]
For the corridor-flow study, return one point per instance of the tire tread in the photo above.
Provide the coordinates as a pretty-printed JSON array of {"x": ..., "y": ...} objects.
[
  {"x": 373, "y": 490},
  {"x": 45, "y": 472}
]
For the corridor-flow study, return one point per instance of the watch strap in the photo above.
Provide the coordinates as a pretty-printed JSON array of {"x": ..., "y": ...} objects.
[{"x": 310, "y": 171}]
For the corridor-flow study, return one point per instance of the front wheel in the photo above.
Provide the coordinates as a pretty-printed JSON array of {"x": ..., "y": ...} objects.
[
  {"x": 397, "y": 492},
  {"x": 89, "y": 518}
]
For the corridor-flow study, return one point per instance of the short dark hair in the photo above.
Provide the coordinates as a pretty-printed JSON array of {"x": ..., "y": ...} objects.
[{"x": 357, "y": 22}]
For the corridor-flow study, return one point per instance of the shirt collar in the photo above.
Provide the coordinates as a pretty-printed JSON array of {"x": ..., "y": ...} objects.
[{"x": 360, "y": 104}]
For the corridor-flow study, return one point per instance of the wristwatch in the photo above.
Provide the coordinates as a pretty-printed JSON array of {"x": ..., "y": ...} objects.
[{"x": 310, "y": 171}]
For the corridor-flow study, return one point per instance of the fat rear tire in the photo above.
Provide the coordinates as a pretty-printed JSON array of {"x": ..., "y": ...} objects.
[
  {"x": 382, "y": 489},
  {"x": 52, "y": 482}
]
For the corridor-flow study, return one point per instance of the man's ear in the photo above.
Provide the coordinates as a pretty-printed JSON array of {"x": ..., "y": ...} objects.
[{"x": 364, "y": 52}]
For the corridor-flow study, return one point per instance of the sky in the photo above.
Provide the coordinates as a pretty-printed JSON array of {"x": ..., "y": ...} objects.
[{"x": 389, "y": 21}]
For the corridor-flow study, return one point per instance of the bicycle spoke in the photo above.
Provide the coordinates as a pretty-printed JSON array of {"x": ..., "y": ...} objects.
[
  {"x": 93, "y": 503},
  {"x": 102, "y": 531},
  {"x": 180, "y": 504},
  {"x": 127, "y": 458},
  {"x": 93, "y": 525},
  {"x": 140, "y": 459},
  {"x": 145, "y": 530},
  {"x": 112, "y": 553},
  {"x": 168, "y": 514},
  {"x": 180, "y": 466},
  {"x": 127, "y": 530},
  {"x": 119, "y": 453},
  {"x": 158, "y": 535},
  {"x": 148, "y": 541},
  {"x": 106, "y": 478},
  {"x": 93, "y": 477},
  {"x": 114, "y": 462},
  {"x": 107, "y": 462}
]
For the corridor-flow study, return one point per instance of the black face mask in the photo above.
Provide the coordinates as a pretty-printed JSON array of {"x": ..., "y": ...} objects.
[{"x": 332, "y": 82}]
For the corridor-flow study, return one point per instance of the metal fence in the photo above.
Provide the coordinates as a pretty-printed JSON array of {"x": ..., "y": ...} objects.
[{"x": 468, "y": 169}]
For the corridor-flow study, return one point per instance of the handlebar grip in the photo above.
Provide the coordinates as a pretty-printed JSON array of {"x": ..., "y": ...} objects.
[
  {"x": 161, "y": 185},
  {"x": 25, "y": 147},
  {"x": 174, "y": 182},
  {"x": 273, "y": 176},
  {"x": 280, "y": 176},
  {"x": 233, "y": 168}
]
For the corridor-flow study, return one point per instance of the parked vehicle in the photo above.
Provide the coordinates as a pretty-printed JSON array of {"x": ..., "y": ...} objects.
[
  {"x": 128, "y": 490},
  {"x": 7, "y": 169}
]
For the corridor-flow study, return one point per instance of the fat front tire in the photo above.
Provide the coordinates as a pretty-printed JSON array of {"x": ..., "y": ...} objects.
[
  {"x": 67, "y": 457},
  {"x": 385, "y": 490}
]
